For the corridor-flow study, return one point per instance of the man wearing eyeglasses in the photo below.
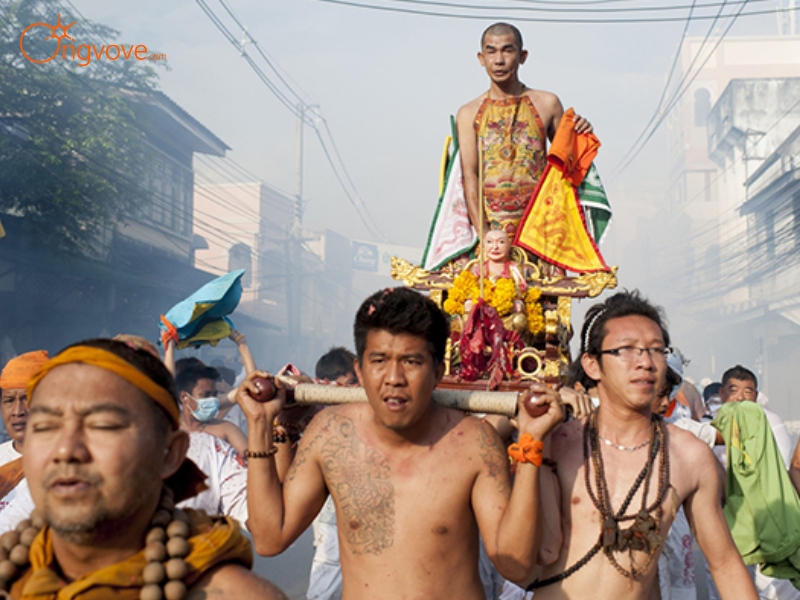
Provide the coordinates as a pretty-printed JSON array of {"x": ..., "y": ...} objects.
[{"x": 622, "y": 474}]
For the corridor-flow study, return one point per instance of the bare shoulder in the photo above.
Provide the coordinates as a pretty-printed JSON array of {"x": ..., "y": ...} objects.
[
  {"x": 234, "y": 581},
  {"x": 567, "y": 438},
  {"x": 549, "y": 107},
  {"x": 332, "y": 422},
  {"x": 686, "y": 446},
  {"x": 691, "y": 458},
  {"x": 472, "y": 435},
  {"x": 320, "y": 430},
  {"x": 325, "y": 421},
  {"x": 474, "y": 427},
  {"x": 544, "y": 99},
  {"x": 470, "y": 109}
]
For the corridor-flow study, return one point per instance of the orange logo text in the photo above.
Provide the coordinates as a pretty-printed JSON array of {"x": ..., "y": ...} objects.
[{"x": 82, "y": 54}]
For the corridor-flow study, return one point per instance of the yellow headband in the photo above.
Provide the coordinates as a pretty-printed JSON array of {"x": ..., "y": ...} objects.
[{"x": 113, "y": 363}]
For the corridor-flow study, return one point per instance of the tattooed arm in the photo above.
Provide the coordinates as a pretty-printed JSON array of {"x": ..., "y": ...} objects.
[
  {"x": 279, "y": 513},
  {"x": 510, "y": 520}
]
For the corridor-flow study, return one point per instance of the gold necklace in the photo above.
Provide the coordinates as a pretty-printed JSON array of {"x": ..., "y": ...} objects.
[{"x": 623, "y": 448}]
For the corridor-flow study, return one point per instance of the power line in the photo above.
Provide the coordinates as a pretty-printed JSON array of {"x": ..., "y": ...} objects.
[
  {"x": 582, "y": 10},
  {"x": 660, "y": 104},
  {"x": 747, "y": 154},
  {"x": 679, "y": 92},
  {"x": 304, "y": 111},
  {"x": 576, "y": 20}
]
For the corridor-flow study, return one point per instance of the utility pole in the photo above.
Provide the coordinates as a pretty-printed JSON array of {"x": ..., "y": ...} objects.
[
  {"x": 787, "y": 19},
  {"x": 294, "y": 256}
]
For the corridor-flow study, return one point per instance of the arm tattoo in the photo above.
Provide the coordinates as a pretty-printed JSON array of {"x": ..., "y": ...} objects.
[
  {"x": 303, "y": 453},
  {"x": 359, "y": 479},
  {"x": 493, "y": 453}
]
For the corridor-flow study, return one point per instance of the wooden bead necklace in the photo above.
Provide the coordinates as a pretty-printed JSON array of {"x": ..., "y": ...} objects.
[
  {"x": 644, "y": 534},
  {"x": 166, "y": 548}
]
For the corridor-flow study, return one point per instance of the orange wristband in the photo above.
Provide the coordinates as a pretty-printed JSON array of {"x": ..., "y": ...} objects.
[{"x": 527, "y": 450}]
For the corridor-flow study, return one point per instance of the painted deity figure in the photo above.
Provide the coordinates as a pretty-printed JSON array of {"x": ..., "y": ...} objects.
[{"x": 498, "y": 265}]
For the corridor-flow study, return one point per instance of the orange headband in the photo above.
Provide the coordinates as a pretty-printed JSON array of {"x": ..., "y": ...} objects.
[{"x": 113, "y": 363}]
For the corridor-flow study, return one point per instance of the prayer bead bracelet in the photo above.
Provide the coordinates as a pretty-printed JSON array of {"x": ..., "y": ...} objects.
[{"x": 264, "y": 454}]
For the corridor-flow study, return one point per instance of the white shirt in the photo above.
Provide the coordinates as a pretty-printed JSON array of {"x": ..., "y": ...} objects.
[
  {"x": 227, "y": 477},
  {"x": 226, "y": 493},
  {"x": 7, "y": 454}
]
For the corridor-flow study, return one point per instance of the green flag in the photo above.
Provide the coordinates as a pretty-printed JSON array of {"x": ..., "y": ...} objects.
[{"x": 595, "y": 204}]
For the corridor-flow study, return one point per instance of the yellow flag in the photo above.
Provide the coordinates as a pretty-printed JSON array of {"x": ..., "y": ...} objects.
[{"x": 554, "y": 229}]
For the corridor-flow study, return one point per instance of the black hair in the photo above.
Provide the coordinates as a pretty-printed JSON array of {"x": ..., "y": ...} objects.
[
  {"x": 712, "y": 389},
  {"x": 334, "y": 363},
  {"x": 576, "y": 374},
  {"x": 502, "y": 29},
  {"x": 402, "y": 310},
  {"x": 185, "y": 363},
  {"x": 621, "y": 304},
  {"x": 187, "y": 379},
  {"x": 741, "y": 373},
  {"x": 227, "y": 375},
  {"x": 672, "y": 379},
  {"x": 150, "y": 365}
]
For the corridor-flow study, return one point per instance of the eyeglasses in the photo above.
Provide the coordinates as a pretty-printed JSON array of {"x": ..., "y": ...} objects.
[{"x": 631, "y": 353}]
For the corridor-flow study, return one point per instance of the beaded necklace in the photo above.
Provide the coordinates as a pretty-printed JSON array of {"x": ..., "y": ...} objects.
[
  {"x": 643, "y": 535},
  {"x": 166, "y": 548}
]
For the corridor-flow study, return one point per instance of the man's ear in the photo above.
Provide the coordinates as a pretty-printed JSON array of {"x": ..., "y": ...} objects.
[
  {"x": 591, "y": 366},
  {"x": 176, "y": 446},
  {"x": 523, "y": 56},
  {"x": 357, "y": 367},
  {"x": 481, "y": 60},
  {"x": 439, "y": 372}
]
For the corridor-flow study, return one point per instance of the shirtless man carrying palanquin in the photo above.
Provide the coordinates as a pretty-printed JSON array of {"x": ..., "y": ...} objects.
[
  {"x": 625, "y": 346},
  {"x": 413, "y": 482}
]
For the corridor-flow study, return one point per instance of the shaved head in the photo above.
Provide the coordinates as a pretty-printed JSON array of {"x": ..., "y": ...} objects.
[{"x": 503, "y": 29}]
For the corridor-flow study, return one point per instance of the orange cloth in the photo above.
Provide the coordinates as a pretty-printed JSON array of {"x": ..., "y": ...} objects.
[
  {"x": 214, "y": 541},
  {"x": 11, "y": 474},
  {"x": 554, "y": 225},
  {"x": 574, "y": 152},
  {"x": 113, "y": 363},
  {"x": 19, "y": 371},
  {"x": 527, "y": 450}
]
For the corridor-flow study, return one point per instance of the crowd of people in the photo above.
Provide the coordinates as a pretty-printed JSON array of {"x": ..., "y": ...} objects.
[
  {"x": 129, "y": 474},
  {"x": 109, "y": 486}
]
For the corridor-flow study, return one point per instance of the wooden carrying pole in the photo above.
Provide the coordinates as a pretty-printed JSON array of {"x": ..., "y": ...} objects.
[
  {"x": 482, "y": 218},
  {"x": 498, "y": 403}
]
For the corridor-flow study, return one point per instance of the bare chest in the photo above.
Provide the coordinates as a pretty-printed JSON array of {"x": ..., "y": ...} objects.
[
  {"x": 386, "y": 503},
  {"x": 617, "y": 508}
]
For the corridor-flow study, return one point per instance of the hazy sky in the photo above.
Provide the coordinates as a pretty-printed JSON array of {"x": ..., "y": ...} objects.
[{"x": 387, "y": 84}]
